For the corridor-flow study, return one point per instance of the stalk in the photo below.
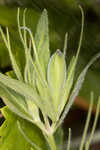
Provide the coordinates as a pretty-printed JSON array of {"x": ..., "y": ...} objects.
[{"x": 51, "y": 142}]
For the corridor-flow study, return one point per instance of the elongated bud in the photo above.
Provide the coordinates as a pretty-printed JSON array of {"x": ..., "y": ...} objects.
[{"x": 56, "y": 76}]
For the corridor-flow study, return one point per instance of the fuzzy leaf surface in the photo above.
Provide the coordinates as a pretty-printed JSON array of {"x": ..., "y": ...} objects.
[
  {"x": 42, "y": 40},
  {"x": 11, "y": 137},
  {"x": 56, "y": 75},
  {"x": 24, "y": 90}
]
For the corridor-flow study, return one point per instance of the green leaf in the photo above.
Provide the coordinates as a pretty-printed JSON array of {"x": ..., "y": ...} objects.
[
  {"x": 12, "y": 138},
  {"x": 25, "y": 109},
  {"x": 68, "y": 84},
  {"x": 42, "y": 41},
  {"x": 26, "y": 91},
  {"x": 34, "y": 78},
  {"x": 15, "y": 102},
  {"x": 56, "y": 75},
  {"x": 21, "y": 88},
  {"x": 29, "y": 72},
  {"x": 77, "y": 87}
]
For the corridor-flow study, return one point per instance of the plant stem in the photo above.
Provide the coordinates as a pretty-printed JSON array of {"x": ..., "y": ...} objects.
[{"x": 51, "y": 142}]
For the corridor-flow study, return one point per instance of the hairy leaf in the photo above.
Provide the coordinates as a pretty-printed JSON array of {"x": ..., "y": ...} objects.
[
  {"x": 56, "y": 76},
  {"x": 26, "y": 91},
  {"x": 15, "y": 102},
  {"x": 77, "y": 86},
  {"x": 12, "y": 138},
  {"x": 42, "y": 41}
]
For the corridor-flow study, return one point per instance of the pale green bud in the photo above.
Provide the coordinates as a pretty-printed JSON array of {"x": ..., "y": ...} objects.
[{"x": 56, "y": 76}]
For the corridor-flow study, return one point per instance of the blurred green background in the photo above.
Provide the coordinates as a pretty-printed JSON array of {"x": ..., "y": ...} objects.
[{"x": 64, "y": 16}]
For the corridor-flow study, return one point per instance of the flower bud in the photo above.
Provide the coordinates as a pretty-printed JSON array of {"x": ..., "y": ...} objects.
[{"x": 56, "y": 76}]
